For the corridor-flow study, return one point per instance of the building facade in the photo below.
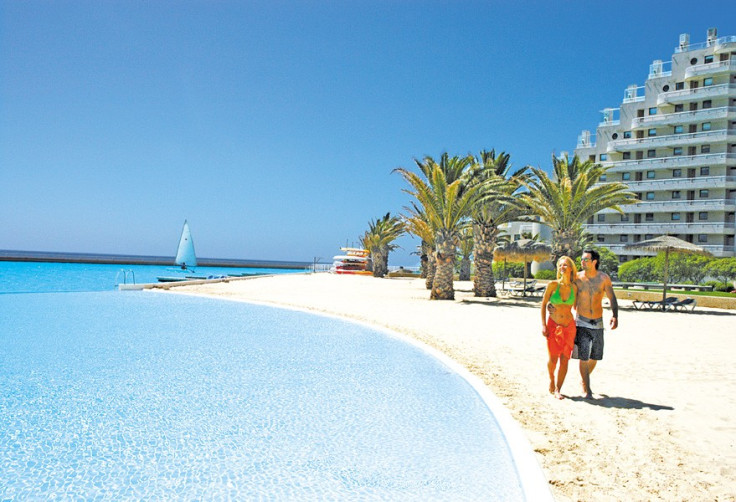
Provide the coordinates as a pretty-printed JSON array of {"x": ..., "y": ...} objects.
[{"x": 673, "y": 141}]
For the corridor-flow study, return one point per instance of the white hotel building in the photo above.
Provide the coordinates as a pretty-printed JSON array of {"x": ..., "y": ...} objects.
[{"x": 673, "y": 141}]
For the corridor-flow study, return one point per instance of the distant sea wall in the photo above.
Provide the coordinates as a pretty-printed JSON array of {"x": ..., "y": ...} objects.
[{"x": 116, "y": 259}]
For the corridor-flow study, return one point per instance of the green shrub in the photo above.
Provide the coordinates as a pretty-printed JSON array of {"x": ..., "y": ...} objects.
[
  {"x": 639, "y": 270},
  {"x": 512, "y": 270},
  {"x": 545, "y": 275}
]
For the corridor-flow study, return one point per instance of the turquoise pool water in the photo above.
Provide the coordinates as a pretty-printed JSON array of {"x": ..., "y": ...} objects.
[{"x": 141, "y": 395}]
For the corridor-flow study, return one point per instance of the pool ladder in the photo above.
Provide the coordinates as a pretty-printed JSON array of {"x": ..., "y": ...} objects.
[{"x": 126, "y": 274}]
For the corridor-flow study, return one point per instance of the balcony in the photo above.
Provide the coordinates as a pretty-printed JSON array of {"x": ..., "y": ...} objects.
[
  {"x": 683, "y": 117},
  {"x": 697, "y": 227},
  {"x": 716, "y": 250},
  {"x": 709, "y": 69},
  {"x": 720, "y": 45},
  {"x": 685, "y": 95},
  {"x": 685, "y": 139},
  {"x": 707, "y": 159},
  {"x": 649, "y": 185},
  {"x": 676, "y": 206}
]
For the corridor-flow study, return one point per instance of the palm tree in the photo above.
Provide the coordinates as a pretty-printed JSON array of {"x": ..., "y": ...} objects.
[
  {"x": 378, "y": 240},
  {"x": 498, "y": 205},
  {"x": 571, "y": 196},
  {"x": 445, "y": 206},
  {"x": 466, "y": 249},
  {"x": 416, "y": 223}
]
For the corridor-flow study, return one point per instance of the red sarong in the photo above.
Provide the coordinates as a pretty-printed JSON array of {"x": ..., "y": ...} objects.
[{"x": 560, "y": 339}]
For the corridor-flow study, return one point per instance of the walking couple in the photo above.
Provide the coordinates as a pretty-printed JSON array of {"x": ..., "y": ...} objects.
[{"x": 579, "y": 336}]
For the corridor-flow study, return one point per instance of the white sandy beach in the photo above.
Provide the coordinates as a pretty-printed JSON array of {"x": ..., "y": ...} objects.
[{"x": 661, "y": 429}]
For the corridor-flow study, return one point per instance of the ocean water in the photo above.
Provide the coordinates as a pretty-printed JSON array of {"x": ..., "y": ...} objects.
[
  {"x": 142, "y": 395},
  {"x": 46, "y": 277}
]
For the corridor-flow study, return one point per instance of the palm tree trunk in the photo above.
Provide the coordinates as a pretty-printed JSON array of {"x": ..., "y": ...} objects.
[
  {"x": 424, "y": 260},
  {"x": 442, "y": 287},
  {"x": 484, "y": 284},
  {"x": 431, "y": 269},
  {"x": 384, "y": 263},
  {"x": 465, "y": 269},
  {"x": 377, "y": 263}
]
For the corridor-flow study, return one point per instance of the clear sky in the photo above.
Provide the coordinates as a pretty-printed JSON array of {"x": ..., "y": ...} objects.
[{"x": 274, "y": 127}]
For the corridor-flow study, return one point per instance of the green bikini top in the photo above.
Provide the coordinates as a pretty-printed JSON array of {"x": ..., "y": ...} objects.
[{"x": 556, "y": 299}]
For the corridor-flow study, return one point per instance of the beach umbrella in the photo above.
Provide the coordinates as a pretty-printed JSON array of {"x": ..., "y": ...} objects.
[
  {"x": 668, "y": 244},
  {"x": 525, "y": 251}
]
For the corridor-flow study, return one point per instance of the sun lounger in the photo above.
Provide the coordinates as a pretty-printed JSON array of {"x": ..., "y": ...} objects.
[
  {"x": 655, "y": 305},
  {"x": 684, "y": 305}
]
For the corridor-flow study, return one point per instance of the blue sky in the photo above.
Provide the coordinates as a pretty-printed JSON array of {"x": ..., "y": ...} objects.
[{"x": 274, "y": 127}]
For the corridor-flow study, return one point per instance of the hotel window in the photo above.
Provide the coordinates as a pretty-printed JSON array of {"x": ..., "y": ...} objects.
[
  {"x": 705, "y": 126},
  {"x": 708, "y": 59},
  {"x": 624, "y": 217},
  {"x": 623, "y": 238},
  {"x": 650, "y": 175},
  {"x": 591, "y": 158},
  {"x": 693, "y": 128},
  {"x": 600, "y": 238},
  {"x": 627, "y": 155},
  {"x": 625, "y": 176},
  {"x": 653, "y": 111},
  {"x": 705, "y": 171},
  {"x": 694, "y": 106},
  {"x": 704, "y": 194},
  {"x": 677, "y": 151},
  {"x": 651, "y": 154},
  {"x": 651, "y": 132},
  {"x": 649, "y": 217},
  {"x": 676, "y": 194},
  {"x": 705, "y": 149},
  {"x": 639, "y": 195},
  {"x": 691, "y": 150},
  {"x": 604, "y": 156},
  {"x": 679, "y": 108},
  {"x": 602, "y": 178},
  {"x": 601, "y": 218},
  {"x": 640, "y": 113},
  {"x": 675, "y": 216},
  {"x": 679, "y": 129},
  {"x": 679, "y": 86},
  {"x": 707, "y": 104},
  {"x": 703, "y": 215},
  {"x": 639, "y": 155},
  {"x": 627, "y": 134},
  {"x": 702, "y": 238},
  {"x": 648, "y": 236},
  {"x": 650, "y": 195},
  {"x": 707, "y": 81},
  {"x": 677, "y": 173}
]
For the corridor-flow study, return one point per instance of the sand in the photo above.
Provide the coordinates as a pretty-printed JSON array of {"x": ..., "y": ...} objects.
[{"x": 662, "y": 427}]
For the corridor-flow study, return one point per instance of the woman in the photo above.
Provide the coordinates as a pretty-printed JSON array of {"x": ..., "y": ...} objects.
[{"x": 560, "y": 327}]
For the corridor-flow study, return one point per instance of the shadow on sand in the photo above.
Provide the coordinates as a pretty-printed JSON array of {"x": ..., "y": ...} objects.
[{"x": 620, "y": 402}]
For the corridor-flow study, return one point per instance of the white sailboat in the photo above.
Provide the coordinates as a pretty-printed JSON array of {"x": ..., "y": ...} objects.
[{"x": 185, "y": 256}]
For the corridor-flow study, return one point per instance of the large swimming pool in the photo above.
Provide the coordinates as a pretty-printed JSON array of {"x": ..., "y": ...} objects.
[{"x": 132, "y": 395}]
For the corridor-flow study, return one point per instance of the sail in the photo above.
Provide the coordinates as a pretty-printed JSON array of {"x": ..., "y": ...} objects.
[{"x": 185, "y": 255}]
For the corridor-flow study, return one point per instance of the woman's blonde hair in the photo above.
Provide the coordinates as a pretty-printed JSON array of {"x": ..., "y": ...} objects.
[{"x": 572, "y": 270}]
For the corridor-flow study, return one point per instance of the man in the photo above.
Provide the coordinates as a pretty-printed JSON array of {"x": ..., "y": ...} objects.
[{"x": 592, "y": 286}]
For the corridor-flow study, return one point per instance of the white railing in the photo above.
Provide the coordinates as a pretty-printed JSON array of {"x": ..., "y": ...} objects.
[
  {"x": 670, "y": 139},
  {"x": 698, "y": 227},
  {"x": 698, "y": 92},
  {"x": 670, "y": 162},
  {"x": 683, "y": 183},
  {"x": 660, "y": 69},
  {"x": 684, "y": 117},
  {"x": 675, "y": 205},
  {"x": 708, "y": 68},
  {"x": 702, "y": 45}
]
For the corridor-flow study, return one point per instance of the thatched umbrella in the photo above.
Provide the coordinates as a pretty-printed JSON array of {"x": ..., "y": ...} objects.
[
  {"x": 524, "y": 250},
  {"x": 668, "y": 244}
]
